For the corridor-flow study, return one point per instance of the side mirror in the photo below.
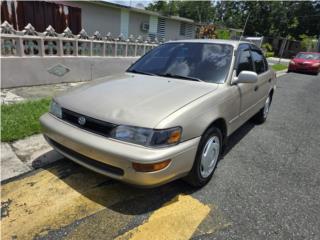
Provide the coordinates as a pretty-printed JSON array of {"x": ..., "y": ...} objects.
[{"x": 246, "y": 77}]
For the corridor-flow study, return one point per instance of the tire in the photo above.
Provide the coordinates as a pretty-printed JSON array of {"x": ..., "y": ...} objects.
[
  {"x": 262, "y": 115},
  {"x": 203, "y": 170}
]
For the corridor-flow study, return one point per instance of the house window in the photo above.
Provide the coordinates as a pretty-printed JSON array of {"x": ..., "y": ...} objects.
[
  {"x": 161, "y": 31},
  {"x": 182, "y": 29}
]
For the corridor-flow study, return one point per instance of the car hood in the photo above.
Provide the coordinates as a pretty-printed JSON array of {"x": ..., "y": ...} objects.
[{"x": 133, "y": 99}]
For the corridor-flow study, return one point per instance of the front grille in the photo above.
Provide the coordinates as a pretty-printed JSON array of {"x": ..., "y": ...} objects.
[
  {"x": 89, "y": 161},
  {"x": 91, "y": 124}
]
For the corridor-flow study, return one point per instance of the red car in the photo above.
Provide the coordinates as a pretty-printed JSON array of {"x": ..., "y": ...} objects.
[{"x": 305, "y": 62}]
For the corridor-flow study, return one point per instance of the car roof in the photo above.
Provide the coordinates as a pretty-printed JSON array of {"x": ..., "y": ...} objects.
[{"x": 234, "y": 43}]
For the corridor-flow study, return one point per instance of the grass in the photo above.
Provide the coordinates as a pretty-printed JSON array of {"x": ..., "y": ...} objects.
[
  {"x": 20, "y": 120},
  {"x": 279, "y": 67}
]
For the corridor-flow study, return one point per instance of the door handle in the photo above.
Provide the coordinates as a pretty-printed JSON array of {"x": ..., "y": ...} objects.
[
  {"x": 256, "y": 88},
  {"x": 269, "y": 80}
]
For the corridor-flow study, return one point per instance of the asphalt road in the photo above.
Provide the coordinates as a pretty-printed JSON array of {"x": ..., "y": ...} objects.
[{"x": 267, "y": 186}]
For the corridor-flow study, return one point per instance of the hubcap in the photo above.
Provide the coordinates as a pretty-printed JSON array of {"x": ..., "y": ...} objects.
[
  {"x": 266, "y": 108},
  {"x": 209, "y": 157}
]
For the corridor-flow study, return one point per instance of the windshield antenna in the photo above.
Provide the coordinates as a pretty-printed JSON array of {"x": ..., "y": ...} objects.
[{"x": 244, "y": 27}]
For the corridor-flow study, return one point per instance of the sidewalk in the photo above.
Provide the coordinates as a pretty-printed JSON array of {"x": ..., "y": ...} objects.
[
  {"x": 26, "y": 155},
  {"x": 13, "y": 95},
  {"x": 274, "y": 60}
]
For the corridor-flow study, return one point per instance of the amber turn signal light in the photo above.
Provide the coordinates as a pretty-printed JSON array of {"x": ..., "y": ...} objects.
[
  {"x": 150, "y": 167},
  {"x": 174, "y": 137}
]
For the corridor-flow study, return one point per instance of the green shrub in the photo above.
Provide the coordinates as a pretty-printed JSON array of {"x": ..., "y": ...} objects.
[
  {"x": 308, "y": 43},
  {"x": 269, "y": 54},
  {"x": 266, "y": 47},
  {"x": 223, "y": 34}
]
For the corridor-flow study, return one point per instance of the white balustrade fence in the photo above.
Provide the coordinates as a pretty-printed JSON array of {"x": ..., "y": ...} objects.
[{"x": 49, "y": 43}]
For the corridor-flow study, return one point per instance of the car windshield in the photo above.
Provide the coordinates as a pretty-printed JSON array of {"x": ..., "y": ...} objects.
[
  {"x": 309, "y": 56},
  {"x": 209, "y": 62}
]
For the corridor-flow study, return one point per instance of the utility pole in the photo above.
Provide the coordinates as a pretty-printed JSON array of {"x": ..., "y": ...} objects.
[{"x": 283, "y": 47}]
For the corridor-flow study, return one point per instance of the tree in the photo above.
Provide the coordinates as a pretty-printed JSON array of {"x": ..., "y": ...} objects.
[
  {"x": 164, "y": 7},
  {"x": 276, "y": 18},
  {"x": 199, "y": 11},
  {"x": 267, "y": 18}
]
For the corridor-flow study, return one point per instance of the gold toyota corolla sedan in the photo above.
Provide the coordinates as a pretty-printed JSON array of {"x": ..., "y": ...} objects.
[{"x": 168, "y": 116}]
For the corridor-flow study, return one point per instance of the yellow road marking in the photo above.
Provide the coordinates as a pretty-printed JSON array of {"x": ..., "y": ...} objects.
[
  {"x": 43, "y": 202},
  {"x": 177, "y": 219},
  {"x": 56, "y": 197}
]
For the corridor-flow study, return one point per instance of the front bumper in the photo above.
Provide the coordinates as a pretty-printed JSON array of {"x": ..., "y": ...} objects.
[
  {"x": 300, "y": 68},
  {"x": 114, "y": 158}
]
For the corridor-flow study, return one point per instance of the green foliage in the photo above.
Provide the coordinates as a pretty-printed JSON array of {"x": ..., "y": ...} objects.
[
  {"x": 267, "y": 47},
  {"x": 223, "y": 34},
  {"x": 165, "y": 8},
  {"x": 20, "y": 120},
  {"x": 267, "y": 18},
  {"x": 199, "y": 11},
  {"x": 279, "y": 67},
  {"x": 271, "y": 18},
  {"x": 269, "y": 54},
  {"x": 308, "y": 43}
]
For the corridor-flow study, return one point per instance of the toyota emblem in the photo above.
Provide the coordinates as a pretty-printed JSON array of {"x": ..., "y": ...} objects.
[{"x": 82, "y": 121}]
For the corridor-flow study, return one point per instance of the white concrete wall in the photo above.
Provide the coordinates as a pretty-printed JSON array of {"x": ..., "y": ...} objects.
[
  {"x": 136, "y": 19},
  {"x": 173, "y": 30},
  {"x": 29, "y": 71},
  {"x": 124, "y": 23},
  {"x": 96, "y": 17}
]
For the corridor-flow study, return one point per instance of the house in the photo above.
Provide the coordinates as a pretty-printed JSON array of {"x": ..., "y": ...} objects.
[{"x": 96, "y": 16}]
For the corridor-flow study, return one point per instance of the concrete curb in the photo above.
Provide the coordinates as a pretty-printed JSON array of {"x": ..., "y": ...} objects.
[
  {"x": 26, "y": 155},
  {"x": 281, "y": 73}
]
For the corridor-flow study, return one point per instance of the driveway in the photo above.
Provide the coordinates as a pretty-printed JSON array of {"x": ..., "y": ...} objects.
[{"x": 267, "y": 186}]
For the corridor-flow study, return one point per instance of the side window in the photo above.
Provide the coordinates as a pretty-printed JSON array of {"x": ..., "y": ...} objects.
[
  {"x": 244, "y": 61},
  {"x": 258, "y": 61}
]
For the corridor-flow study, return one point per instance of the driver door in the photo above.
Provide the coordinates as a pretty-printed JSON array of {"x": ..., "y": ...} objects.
[{"x": 247, "y": 91}]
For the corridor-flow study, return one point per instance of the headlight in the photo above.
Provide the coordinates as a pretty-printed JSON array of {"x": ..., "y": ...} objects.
[
  {"x": 292, "y": 62},
  {"x": 316, "y": 65},
  {"x": 55, "y": 109},
  {"x": 147, "y": 136}
]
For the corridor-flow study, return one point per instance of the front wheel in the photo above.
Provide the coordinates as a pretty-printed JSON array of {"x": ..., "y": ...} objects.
[
  {"x": 208, "y": 155},
  {"x": 262, "y": 115}
]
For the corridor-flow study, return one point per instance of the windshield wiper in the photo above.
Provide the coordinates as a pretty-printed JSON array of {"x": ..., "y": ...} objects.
[
  {"x": 141, "y": 72},
  {"x": 181, "y": 77}
]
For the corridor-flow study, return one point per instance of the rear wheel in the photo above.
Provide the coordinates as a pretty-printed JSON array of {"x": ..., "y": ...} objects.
[
  {"x": 262, "y": 115},
  {"x": 208, "y": 155}
]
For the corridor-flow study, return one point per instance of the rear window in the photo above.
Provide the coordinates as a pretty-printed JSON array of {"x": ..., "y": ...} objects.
[{"x": 309, "y": 56}]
